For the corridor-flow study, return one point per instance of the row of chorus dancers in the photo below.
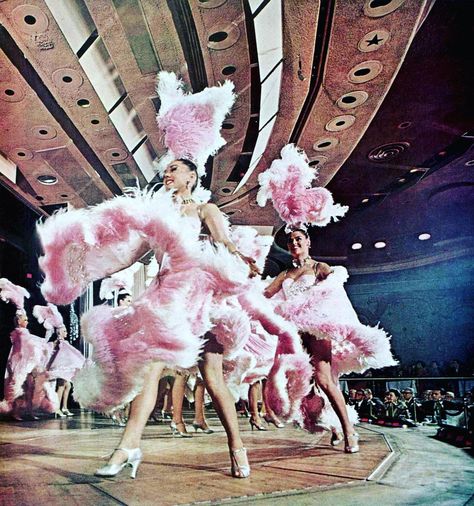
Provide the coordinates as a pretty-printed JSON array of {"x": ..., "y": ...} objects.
[
  {"x": 38, "y": 372},
  {"x": 206, "y": 306}
]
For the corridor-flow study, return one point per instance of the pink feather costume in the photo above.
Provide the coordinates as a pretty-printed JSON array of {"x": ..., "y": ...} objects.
[
  {"x": 64, "y": 360},
  {"x": 325, "y": 311},
  {"x": 27, "y": 387},
  {"x": 167, "y": 321}
]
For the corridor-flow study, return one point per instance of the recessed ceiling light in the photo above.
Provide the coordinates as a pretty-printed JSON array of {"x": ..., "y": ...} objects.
[
  {"x": 380, "y": 244},
  {"x": 356, "y": 245},
  {"x": 47, "y": 179},
  {"x": 424, "y": 237},
  {"x": 364, "y": 201},
  {"x": 402, "y": 180},
  {"x": 416, "y": 169}
]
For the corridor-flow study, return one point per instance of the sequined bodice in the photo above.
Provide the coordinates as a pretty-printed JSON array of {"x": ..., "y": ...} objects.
[{"x": 293, "y": 287}]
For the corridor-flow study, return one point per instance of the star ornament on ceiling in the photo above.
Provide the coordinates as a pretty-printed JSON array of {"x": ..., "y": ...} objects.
[{"x": 374, "y": 41}]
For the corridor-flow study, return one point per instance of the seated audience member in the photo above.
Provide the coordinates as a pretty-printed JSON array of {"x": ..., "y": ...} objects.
[
  {"x": 453, "y": 368},
  {"x": 371, "y": 406},
  {"x": 359, "y": 399},
  {"x": 395, "y": 410},
  {"x": 414, "y": 407},
  {"x": 449, "y": 396},
  {"x": 351, "y": 400},
  {"x": 434, "y": 408},
  {"x": 393, "y": 406},
  {"x": 434, "y": 369},
  {"x": 427, "y": 395},
  {"x": 419, "y": 369}
]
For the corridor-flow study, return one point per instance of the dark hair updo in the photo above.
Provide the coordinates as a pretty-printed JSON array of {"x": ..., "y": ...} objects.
[
  {"x": 296, "y": 229},
  {"x": 193, "y": 168},
  {"x": 122, "y": 296}
]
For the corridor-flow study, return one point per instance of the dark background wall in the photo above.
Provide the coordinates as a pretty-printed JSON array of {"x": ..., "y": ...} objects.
[{"x": 429, "y": 310}]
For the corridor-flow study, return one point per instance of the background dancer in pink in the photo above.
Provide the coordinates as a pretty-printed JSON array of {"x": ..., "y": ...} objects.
[
  {"x": 65, "y": 360},
  {"x": 312, "y": 296},
  {"x": 27, "y": 387}
]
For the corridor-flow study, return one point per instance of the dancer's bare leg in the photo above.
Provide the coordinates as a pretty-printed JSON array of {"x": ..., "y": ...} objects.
[
  {"x": 140, "y": 409},
  {"x": 160, "y": 398},
  {"x": 199, "y": 416},
  {"x": 254, "y": 396},
  {"x": 177, "y": 394},
  {"x": 223, "y": 402},
  {"x": 320, "y": 350},
  {"x": 60, "y": 392},
  {"x": 65, "y": 396}
]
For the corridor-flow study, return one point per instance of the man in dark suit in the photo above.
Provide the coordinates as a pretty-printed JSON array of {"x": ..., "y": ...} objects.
[
  {"x": 414, "y": 407},
  {"x": 435, "y": 408},
  {"x": 370, "y": 407}
]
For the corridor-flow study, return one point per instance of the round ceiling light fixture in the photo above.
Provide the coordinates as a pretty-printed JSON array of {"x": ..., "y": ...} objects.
[
  {"x": 47, "y": 179},
  {"x": 364, "y": 201},
  {"x": 356, "y": 246},
  {"x": 352, "y": 99},
  {"x": 380, "y": 244},
  {"x": 387, "y": 152},
  {"x": 365, "y": 71},
  {"x": 424, "y": 237},
  {"x": 325, "y": 143},
  {"x": 380, "y": 8}
]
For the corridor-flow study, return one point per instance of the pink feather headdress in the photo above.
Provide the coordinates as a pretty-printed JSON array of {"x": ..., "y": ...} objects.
[
  {"x": 288, "y": 184},
  {"x": 50, "y": 317},
  {"x": 191, "y": 123},
  {"x": 13, "y": 293}
]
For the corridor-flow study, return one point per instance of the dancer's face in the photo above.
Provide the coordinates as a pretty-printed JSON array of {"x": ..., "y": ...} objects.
[
  {"x": 126, "y": 302},
  {"x": 178, "y": 176},
  {"x": 62, "y": 333},
  {"x": 298, "y": 244},
  {"x": 22, "y": 320}
]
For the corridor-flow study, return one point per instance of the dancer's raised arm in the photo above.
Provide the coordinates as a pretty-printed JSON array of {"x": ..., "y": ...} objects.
[{"x": 214, "y": 221}]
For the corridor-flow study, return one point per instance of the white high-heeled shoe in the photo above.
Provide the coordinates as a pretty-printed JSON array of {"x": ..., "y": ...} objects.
[
  {"x": 352, "y": 443},
  {"x": 134, "y": 457},
  {"x": 239, "y": 471}
]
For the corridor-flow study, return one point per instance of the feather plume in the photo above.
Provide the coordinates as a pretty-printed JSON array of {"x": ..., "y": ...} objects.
[
  {"x": 287, "y": 183},
  {"x": 15, "y": 294},
  {"x": 191, "y": 123}
]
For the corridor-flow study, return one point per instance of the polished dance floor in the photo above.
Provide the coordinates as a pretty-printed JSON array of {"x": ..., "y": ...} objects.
[{"x": 52, "y": 462}]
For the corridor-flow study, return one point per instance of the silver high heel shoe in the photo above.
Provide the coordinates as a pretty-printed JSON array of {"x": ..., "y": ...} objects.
[
  {"x": 352, "y": 444},
  {"x": 239, "y": 471},
  {"x": 273, "y": 419},
  {"x": 177, "y": 432},
  {"x": 336, "y": 438},
  {"x": 203, "y": 427},
  {"x": 134, "y": 457}
]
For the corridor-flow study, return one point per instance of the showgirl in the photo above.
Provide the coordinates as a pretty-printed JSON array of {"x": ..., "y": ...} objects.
[
  {"x": 312, "y": 296},
  {"x": 64, "y": 360},
  {"x": 27, "y": 389},
  {"x": 172, "y": 322}
]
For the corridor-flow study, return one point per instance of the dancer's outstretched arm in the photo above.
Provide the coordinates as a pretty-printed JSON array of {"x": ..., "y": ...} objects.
[{"x": 214, "y": 220}]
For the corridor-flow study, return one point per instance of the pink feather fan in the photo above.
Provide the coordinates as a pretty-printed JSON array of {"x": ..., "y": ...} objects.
[
  {"x": 10, "y": 292},
  {"x": 49, "y": 316},
  {"x": 191, "y": 123},
  {"x": 288, "y": 184}
]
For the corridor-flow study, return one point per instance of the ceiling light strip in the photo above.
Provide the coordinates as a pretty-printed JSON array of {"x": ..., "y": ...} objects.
[{"x": 268, "y": 29}]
